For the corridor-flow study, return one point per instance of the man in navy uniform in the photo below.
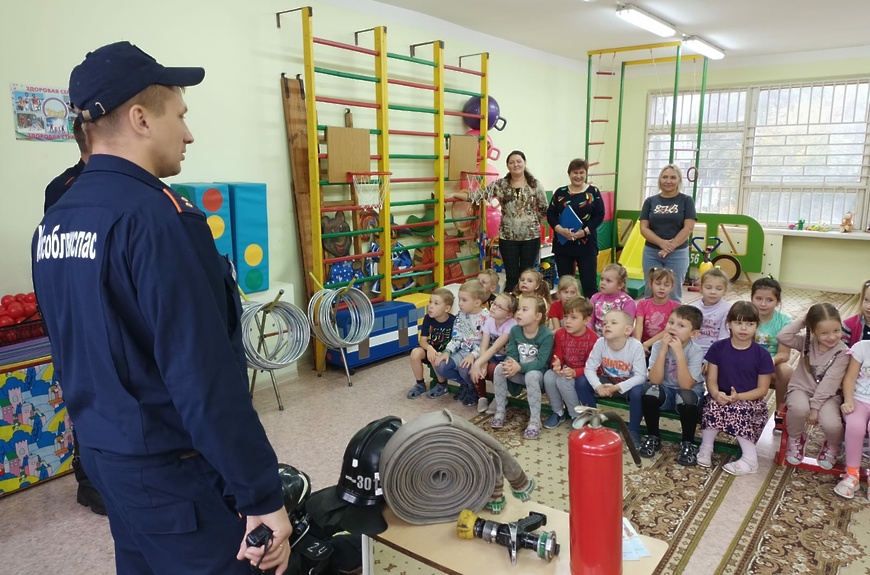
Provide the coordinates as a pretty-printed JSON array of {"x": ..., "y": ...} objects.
[
  {"x": 58, "y": 186},
  {"x": 144, "y": 318},
  {"x": 86, "y": 494}
]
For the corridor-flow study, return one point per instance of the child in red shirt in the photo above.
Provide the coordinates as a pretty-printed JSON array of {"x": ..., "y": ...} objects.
[{"x": 566, "y": 381}]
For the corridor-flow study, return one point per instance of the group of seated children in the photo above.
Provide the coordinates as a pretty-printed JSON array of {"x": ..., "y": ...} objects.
[{"x": 712, "y": 362}]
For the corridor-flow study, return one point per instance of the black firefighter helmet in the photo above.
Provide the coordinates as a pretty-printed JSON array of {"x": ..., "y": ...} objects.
[
  {"x": 356, "y": 503},
  {"x": 296, "y": 487}
]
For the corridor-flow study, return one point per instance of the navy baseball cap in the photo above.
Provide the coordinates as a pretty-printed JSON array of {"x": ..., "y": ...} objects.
[{"x": 111, "y": 75}]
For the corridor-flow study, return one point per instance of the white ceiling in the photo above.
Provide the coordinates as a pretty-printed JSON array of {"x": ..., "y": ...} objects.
[{"x": 743, "y": 28}]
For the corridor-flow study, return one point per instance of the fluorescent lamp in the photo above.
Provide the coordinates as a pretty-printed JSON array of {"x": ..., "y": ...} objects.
[
  {"x": 703, "y": 48},
  {"x": 634, "y": 15}
]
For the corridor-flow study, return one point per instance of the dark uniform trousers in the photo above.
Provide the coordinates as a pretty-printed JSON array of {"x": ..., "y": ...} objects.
[{"x": 168, "y": 514}]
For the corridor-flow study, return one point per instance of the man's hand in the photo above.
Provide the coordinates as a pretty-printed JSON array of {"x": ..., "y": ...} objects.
[{"x": 279, "y": 550}]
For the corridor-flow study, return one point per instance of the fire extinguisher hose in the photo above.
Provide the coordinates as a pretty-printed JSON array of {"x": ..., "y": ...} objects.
[
  {"x": 626, "y": 435},
  {"x": 438, "y": 464}
]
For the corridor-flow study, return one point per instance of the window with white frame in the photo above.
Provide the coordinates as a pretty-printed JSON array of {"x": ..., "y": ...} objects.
[{"x": 776, "y": 153}]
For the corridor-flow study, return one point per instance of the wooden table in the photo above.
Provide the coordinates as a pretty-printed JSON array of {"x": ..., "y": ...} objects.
[{"x": 440, "y": 548}]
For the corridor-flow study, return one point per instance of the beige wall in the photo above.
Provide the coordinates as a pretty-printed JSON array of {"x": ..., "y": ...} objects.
[
  {"x": 236, "y": 115},
  {"x": 813, "y": 262},
  {"x": 237, "y": 118}
]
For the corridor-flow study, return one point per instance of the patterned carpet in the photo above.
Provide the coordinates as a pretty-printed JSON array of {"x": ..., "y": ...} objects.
[{"x": 798, "y": 525}]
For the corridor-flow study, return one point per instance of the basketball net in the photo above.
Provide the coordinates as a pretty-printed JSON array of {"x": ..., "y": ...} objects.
[
  {"x": 369, "y": 190},
  {"x": 475, "y": 181}
]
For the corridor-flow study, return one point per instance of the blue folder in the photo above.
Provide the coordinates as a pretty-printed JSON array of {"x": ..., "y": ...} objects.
[{"x": 568, "y": 220}]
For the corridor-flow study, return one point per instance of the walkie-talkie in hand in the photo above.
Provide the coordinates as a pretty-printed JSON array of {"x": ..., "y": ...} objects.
[{"x": 259, "y": 537}]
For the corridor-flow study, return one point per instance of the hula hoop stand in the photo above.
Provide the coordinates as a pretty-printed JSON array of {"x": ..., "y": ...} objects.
[
  {"x": 322, "y": 310},
  {"x": 292, "y": 331}
]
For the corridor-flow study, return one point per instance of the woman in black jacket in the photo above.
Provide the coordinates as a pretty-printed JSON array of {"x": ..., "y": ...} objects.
[{"x": 579, "y": 252}]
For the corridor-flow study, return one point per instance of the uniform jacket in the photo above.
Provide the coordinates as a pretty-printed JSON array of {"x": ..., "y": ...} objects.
[{"x": 144, "y": 320}]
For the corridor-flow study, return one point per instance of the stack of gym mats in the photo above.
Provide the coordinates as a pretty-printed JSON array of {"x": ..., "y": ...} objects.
[{"x": 238, "y": 218}]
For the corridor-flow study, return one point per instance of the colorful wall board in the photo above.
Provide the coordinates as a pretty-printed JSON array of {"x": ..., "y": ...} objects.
[
  {"x": 214, "y": 200},
  {"x": 250, "y": 235}
]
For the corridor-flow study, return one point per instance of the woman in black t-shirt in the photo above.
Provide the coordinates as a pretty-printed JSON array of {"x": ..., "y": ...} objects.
[{"x": 666, "y": 222}]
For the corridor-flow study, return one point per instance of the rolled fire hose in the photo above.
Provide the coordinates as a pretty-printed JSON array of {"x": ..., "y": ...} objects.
[{"x": 438, "y": 464}]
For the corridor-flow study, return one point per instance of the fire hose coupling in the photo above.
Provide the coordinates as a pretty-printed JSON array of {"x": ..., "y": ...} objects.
[
  {"x": 525, "y": 494},
  {"x": 516, "y": 535},
  {"x": 595, "y": 418}
]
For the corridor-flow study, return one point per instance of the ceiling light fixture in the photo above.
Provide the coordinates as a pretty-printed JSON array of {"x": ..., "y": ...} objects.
[
  {"x": 641, "y": 19},
  {"x": 703, "y": 48}
]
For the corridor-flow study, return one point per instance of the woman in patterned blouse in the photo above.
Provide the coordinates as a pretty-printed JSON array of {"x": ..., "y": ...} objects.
[{"x": 523, "y": 208}]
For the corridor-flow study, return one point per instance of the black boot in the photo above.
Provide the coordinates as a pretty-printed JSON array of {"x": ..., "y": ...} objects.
[
  {"x": 90, "y": 497},
  {"x": 87, "y": 494}
]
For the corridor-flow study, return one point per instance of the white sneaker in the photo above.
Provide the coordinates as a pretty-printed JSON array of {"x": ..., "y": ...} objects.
[
  {"x": 482, "y": 404},
  {"x": 491, "y": 408}
]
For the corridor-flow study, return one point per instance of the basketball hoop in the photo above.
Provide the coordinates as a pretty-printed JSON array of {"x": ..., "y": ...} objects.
[
  {"x": 475, "y": 181},
  {"x": 370, "y": 188}
]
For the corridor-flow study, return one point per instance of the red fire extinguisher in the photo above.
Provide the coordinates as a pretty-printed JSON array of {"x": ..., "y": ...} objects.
[{"x": 595, "y": 492}]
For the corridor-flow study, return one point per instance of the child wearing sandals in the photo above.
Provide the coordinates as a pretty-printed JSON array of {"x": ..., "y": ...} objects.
[
  {"x": 528, "y": 355},
  {"x": 432, "y": 339},
  {"x": 856, "y": 411},
  {"x": 767, "y": 296},
  {"x": 857, "y": 327},
  {"x": 496, "y": 332},
  {"x": 738, "y": 378},
  {"x": 813, "y": 392},
  {"x": 676, "y": 383},
  {"x": 611, "y": 295},
  {"x": 464, "y": 346},
  {"x": 566, "y": 381},
  {"x": 568, "y": 289},
  {"x": 617, "y": 366}
]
